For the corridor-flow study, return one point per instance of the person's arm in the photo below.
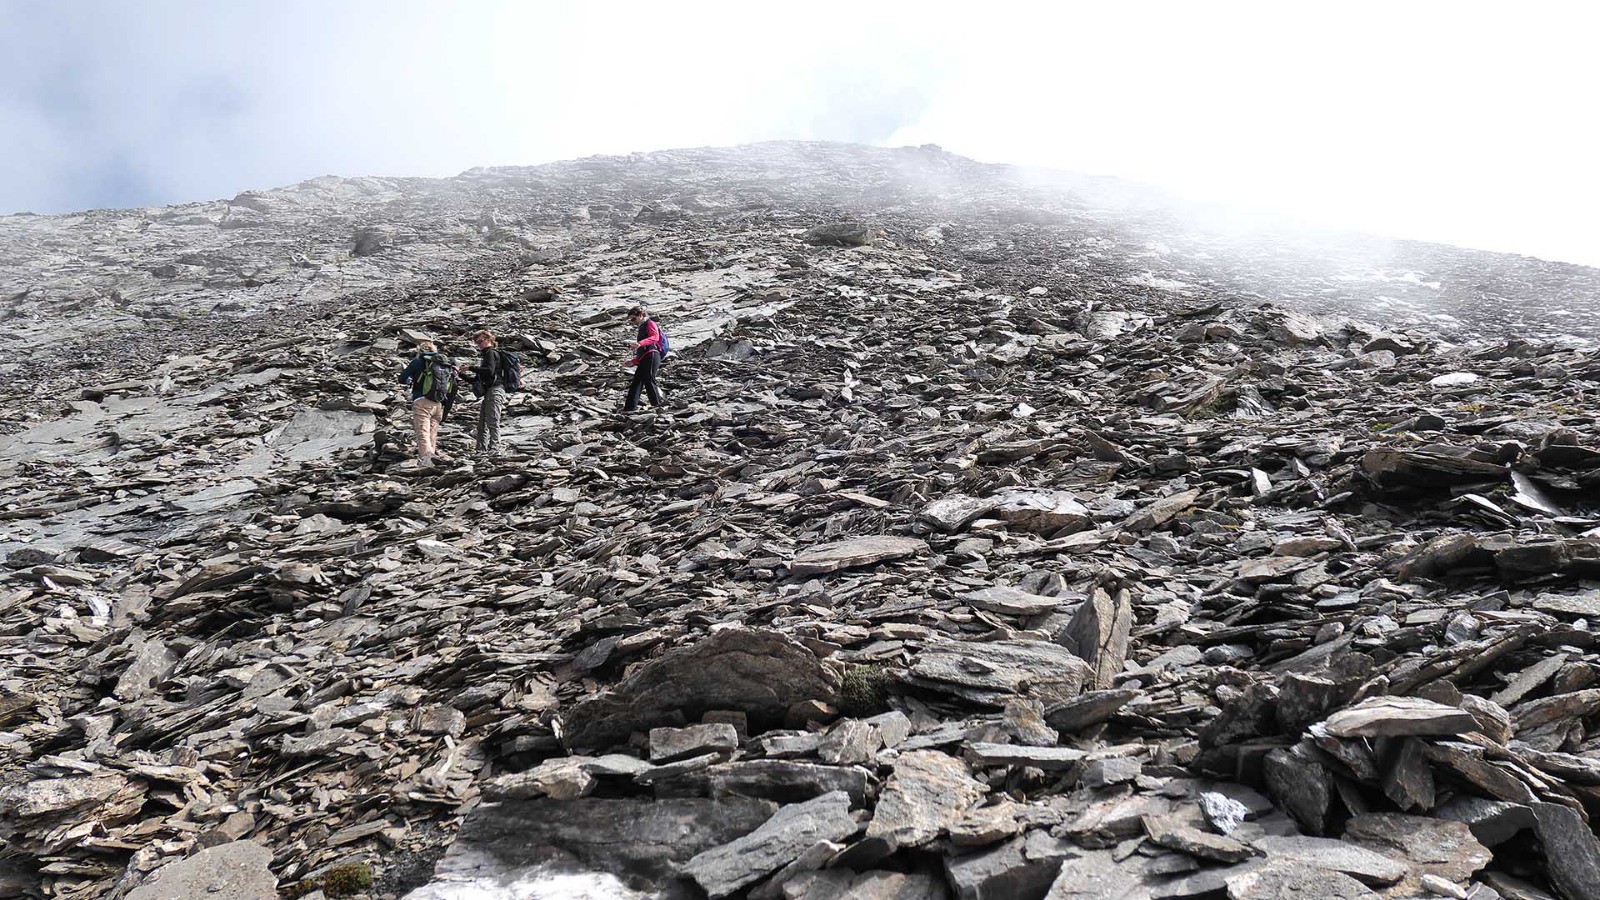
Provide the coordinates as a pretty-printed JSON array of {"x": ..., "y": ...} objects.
[{"x": 412, "y": 371}]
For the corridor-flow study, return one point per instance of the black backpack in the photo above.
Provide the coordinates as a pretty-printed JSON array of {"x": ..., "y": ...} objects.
[
  {"x": 510, "y": 372},
  {"x": 438, "y": 381}
]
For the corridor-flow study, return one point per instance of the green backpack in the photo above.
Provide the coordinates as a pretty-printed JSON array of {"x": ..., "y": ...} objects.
[{"x": 438, "y": 381}]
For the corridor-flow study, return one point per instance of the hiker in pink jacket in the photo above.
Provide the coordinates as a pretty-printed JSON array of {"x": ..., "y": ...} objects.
[{"x": 646, "y": 359}]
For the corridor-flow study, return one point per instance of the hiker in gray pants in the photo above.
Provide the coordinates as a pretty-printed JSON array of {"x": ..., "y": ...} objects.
[{"x": 491, "y": 391}]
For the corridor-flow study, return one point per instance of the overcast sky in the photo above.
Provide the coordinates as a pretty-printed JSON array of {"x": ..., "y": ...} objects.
[{"x": 1456, "y": 122}]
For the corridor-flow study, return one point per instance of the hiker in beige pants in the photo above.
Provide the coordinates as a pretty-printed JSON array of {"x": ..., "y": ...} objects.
[{"x": 425, "y": 414}]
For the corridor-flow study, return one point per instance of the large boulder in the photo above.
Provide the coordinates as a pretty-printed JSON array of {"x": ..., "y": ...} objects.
[
  {"x": 841, "y": 234},
  {"x": 236, "y": 871},
  {"x": 641, "y": 842},
  {"x": 760, "y": 673}
]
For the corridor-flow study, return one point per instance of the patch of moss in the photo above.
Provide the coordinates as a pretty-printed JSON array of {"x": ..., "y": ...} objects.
[
  {"x": 865, "y": 691},
  {"x": 343, "y": 880}
]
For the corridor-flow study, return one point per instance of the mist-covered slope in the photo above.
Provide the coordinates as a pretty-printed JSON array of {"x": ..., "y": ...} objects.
[{"x": 1027, "y": 537}]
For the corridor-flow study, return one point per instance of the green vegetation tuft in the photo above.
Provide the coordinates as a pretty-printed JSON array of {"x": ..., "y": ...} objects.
[
  {"x": 865, "y": 691},
  {"x": 343, "y": 880}
]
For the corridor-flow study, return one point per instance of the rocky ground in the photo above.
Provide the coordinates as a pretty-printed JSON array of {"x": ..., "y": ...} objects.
[{"x": 1013, "y": 540}]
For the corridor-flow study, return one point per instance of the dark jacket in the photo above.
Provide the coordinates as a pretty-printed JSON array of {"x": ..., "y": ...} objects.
[
  {"x": 413, "y": 372},
  {"x": 486, "y": 374},
  {"x": 648, "y": 341}
]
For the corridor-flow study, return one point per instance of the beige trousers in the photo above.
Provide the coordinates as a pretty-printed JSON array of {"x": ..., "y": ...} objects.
[{"x": 425, "y": 418}]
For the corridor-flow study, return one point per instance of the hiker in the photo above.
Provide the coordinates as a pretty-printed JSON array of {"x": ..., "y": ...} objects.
[
  {"x": 433, "y": 389},
  {"x": 489, "y": 386},
  {"x": 646, "y": 359}
]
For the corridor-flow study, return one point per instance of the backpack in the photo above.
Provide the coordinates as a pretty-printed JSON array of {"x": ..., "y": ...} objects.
[
  {"x": 438, "y": 381},
  {"x": 510, "y": 372},
  {"x": 665, "y": 346}
]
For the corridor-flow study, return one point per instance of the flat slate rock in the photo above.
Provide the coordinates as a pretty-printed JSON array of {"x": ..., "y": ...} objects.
[
  {"x": 852, "y": 553},
  {"x": 1013, "y": 602},
  {"x": 928, "y": 793},
  {"x": 1337, "y": 856},
  {"x": 641, "y": 841},
  {"x": 990, "y": 669},
  {"x": 1022, "y": 868},
  {"x": 1398, "y": 716},
  {"x": 1278, "y": 880},
  {"x": 236, "y": 871},
  {"x": 1045, "y": 758},
  {"x": 760, "y": 673},
  {"x": 1571, "y": 851},
  {"x": 955, "y": 512},
  {"x": 780, "y": 840}
]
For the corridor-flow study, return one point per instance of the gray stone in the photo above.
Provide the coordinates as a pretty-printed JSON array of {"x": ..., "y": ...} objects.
[
  {"x": 1570, "y": 851},
  {"x": 1278, "y": 880},
  {"x": 1397, "y": 716},
  {"x": 1173, "y": 835},
  {"x": 1045, "y": 758},
  {"x": 152, "y": 661},
  {"x": 853, "y": 553},
  {"x": 840, "y": 884},
  {"x": 927, "y": 794},
  {"x": 672, "y": 744},
  {"x": 760, "y": 673},
  {"x": 848, "y": 742},
  {"x": 1020, "y": 869},
  {"x": 640, "y": 841},
  {"x": 1431, "y": 846},
  {"x": 1041, "y": 511},
  {"x": 1088, "y": 710},
  {"x": 1300, "y": 785},
  {"x": 1338, "y": 856},
  {"x": 1012, "y": 602},
  {"x": 990, "y": 671},
  {"x": 954, "y": 513},
  {"x": 562, "y": 778},
  {"x": 1101, "y": 773},
  {"x": 236, "y": 871},
  {"x": 1224, "y": 813},
  {"x": 1098, "y": 875},
  {"x": 1098, "y": 634},
  {"x": 779, "y": 841},
  {"x": 786, "y": 781},
  {"x": 1493, "y": 822}
]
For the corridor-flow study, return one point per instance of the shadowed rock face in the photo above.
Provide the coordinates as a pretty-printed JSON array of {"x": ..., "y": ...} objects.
[
  {"x": 759, "y": 673},
  {"x": 1032, "y": 526}
]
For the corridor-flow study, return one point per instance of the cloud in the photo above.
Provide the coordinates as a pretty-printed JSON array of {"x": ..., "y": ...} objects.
[{"x": 1455, "y": 122}]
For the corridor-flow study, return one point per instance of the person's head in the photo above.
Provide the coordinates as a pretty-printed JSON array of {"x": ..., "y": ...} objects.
[
  {"x": 484, "y": 339},
  {"x": 636, "y": 315},
  {"x": 425, "y": 347}
]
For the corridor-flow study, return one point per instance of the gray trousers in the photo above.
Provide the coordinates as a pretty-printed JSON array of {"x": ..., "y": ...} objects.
[{"x": 489, "y": 408}]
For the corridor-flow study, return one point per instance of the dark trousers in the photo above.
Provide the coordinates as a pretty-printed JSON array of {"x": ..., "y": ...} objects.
[{"x": 644, "y": 378}]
